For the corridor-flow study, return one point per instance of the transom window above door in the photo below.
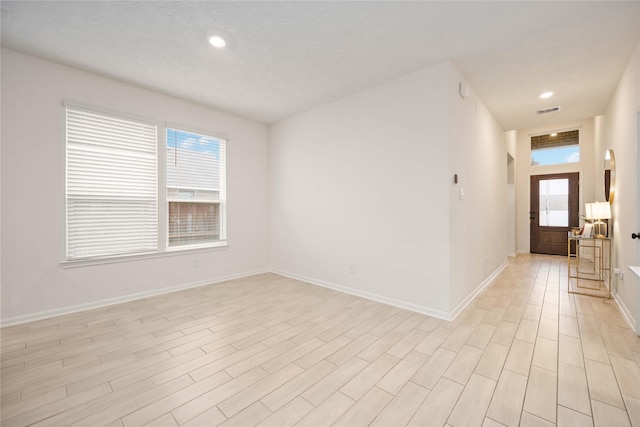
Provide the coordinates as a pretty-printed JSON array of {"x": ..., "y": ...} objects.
[{"x": 555, "y": 148}]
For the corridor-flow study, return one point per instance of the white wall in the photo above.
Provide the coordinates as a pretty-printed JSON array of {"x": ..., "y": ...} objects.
[
  {"x": 525, "y": 171},
  {"x": 1, "y": 298},
  {"x": 511, "y": 137},
  {"x": 598, "y": 158},
  {"x": 363, "y": 181},
  {"x": 33, "y": 202},
  {"x": 368, "y": 180},
  {"x": 512, "y": 195},
  {"x": 478, "y": 232},
  {"x": 621, "y": 134}
]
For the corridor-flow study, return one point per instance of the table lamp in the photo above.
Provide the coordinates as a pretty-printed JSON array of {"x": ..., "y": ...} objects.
[{"x": 600, "y": 211}]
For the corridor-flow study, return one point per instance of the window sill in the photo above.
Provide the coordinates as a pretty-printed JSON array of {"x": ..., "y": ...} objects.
[{"x": 170, "y": 252}]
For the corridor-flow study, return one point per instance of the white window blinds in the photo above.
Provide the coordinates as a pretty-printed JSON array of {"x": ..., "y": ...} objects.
[
  {"x": 111, "y": 182},
  {"x": 195, "y": 188}
]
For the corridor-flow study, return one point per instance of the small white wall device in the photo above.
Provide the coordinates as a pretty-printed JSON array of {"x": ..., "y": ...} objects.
[{"x": 463, "y": 89}]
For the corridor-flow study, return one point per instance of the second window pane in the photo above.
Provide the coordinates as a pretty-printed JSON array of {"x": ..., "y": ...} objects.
[{"x": 195, "y": 188}]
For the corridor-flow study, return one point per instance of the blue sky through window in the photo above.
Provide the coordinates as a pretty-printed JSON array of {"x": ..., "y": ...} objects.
[
  {"x": 192, "y": 142},
  {"x": 555, "y": 155}
]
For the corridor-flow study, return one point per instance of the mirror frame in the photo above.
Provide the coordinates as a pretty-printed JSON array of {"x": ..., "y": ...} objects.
[{"x": 609, "y": 176}]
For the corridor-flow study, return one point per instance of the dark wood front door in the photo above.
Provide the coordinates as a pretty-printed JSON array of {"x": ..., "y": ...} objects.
[{"x": 553, "y": 211}]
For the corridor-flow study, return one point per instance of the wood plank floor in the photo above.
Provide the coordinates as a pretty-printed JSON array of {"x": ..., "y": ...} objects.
[{"x": 272, "y": 351}]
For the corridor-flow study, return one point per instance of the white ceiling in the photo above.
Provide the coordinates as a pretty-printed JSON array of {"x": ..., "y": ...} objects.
[{"x": 287, "y": 57}]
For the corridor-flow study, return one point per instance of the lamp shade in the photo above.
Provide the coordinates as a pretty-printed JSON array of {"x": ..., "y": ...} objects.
[
  {"x": 601, "y": 210},
  {"x": 588, "y": 211}
]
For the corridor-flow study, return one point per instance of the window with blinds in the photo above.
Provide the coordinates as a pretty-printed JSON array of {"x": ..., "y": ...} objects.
[
  {"x": 111, "y": 185},
  {"x": 195, "y": 188}
]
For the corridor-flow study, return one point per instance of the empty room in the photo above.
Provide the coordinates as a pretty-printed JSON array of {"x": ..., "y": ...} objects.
[{"x": 319, "y": 213}]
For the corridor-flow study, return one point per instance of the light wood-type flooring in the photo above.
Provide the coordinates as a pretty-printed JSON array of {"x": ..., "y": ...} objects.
[{"x": 271, "y": 351}]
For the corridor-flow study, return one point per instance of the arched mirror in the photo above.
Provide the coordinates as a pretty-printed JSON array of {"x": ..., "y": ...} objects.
[{"x": 609, "y": 175}]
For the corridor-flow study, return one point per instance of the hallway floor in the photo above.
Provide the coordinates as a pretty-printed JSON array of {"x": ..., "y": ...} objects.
[{"x": 270, "y": 350}]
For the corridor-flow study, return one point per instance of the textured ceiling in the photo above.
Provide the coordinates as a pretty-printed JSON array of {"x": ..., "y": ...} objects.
[{"x": 287, "y": 57}]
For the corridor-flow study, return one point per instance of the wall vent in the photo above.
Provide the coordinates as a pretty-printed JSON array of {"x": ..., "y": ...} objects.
[{"x": 548, "y": 110}]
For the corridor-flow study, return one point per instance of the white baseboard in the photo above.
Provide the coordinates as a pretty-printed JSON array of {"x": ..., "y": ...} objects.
[
  {"x": 394, "y": 302},
  {"x": 126, "y": 298},
  {"x": 625, "y": 312},
  {"x": 368, "y": 295},
  {"x": 486, "y": 282}
]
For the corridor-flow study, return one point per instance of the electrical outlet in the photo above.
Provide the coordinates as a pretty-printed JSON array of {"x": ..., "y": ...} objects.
[
  {"x": 196, "y": 263},
  {"x": 352, "y": 268}
]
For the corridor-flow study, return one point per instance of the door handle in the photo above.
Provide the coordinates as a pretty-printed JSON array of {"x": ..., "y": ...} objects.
[{"x": 532, "y": 215}]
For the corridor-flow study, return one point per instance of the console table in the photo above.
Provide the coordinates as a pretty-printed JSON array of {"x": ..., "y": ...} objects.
[{"x": 589, "y": 266}]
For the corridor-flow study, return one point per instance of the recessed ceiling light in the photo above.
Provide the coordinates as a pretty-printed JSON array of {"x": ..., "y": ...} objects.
[
  {"x": 546, "y": 95},
  {"x": 217, "y": 41}
]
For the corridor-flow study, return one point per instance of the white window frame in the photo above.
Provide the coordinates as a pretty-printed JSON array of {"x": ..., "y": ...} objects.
[
  {"x": 223, "y": 191},
  {"x": 163, "y": 249}
]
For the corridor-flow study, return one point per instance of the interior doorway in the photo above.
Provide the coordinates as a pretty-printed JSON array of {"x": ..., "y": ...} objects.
[{"x": 553, "y": 211}]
